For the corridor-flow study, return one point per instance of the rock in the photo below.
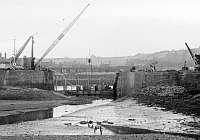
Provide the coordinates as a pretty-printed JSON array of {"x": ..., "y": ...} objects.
[
  {"x": 164, "y": 91},
  {"x": 83, "y": 122},
  {"x": 131, "y": 119},
  {"x": 68, "y": 124},
  {"x": 107, "y": 122}
]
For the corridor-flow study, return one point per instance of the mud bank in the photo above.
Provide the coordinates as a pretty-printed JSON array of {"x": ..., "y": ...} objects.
[
  {"x": 128, "y": 130},
  {"x": 117, "y": 118},
  {"x": 15, "y": 111},
  {"x": 186, "y": 104}
]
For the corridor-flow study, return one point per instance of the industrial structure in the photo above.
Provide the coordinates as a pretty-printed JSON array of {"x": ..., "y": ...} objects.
[
  {"x": 29, "y": 63},
  {"x": 30, "y": 73},
  {"x": 195, "y": 58},
  {"x": 188, "y": 78}
]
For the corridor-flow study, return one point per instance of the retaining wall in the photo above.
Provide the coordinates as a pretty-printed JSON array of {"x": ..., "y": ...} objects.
[
  {"x": 190, "y": 80},
  {"x": 27, "y": 78},
  {"x": 134, "y": 81}
]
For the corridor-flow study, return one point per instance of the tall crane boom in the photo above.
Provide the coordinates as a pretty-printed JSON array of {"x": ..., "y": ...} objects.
[
  {"x": 21, "y": 50},
  {"x": 61, "y": 35},
  {"x": 192, "y": 55}
]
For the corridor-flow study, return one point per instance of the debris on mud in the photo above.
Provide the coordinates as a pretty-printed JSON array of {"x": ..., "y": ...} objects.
[
  {"x": 131, "y": 119},
  {"x": 173, "y": 98},
  {"x": 164, "y": 90},
  {"x": 107, "y": 122},
  {"x": 193, "y": 124},
  {"x": 83, "y": 122},
  {"x": 127, "y": 130},
  {"x": 68, "y": 124}
]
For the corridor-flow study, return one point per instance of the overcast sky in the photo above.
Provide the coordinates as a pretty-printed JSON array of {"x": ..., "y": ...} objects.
[{"x": 107, "y": 28}]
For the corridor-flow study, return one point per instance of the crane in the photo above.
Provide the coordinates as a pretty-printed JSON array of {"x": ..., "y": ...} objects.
[
  {"x": 195, "y": 57},
  {"x": 192, "y": 55},
  {"x": 63, "y": 33},
  {"x": 14, "y": 59}
]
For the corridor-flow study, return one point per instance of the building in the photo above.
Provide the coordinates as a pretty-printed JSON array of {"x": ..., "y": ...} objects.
[{"x": 4, "y": 62}]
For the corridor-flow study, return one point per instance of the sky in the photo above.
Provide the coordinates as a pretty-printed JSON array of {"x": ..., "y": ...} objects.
[{"x": 107, "y": 27}]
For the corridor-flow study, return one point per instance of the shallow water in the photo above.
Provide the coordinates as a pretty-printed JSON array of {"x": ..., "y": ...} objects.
[
  {"x": 67, "y": 109},
  {"x": 127, "y": 113}
]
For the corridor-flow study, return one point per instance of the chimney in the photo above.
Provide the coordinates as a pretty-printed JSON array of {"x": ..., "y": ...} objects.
[
  {"x": 5, "y": 55},
  {"x": 0, "y": 54}
]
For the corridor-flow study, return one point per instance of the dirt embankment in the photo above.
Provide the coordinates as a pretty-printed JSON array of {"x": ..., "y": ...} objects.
[
  {"x": 15, "y": 99},
  {"x": 28, "y": 94},
  {"x": 174, "y": 98},
  {"x": 34, "y": 94}
]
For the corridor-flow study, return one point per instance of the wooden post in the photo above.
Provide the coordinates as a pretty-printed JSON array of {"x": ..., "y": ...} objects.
[{"x": 55, "y": 83}]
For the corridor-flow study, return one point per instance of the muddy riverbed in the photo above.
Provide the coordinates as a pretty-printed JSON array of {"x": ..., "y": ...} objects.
[{"x": 127, "y": 113}]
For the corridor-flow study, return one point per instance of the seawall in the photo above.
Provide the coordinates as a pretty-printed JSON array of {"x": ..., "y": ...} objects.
[
  {"x": 190, "y": 80},
  {"x": 41, "y": 79},
  {"x": 134, "y": 81}
]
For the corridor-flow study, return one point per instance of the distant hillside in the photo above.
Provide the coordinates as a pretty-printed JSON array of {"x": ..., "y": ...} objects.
[{"x": 165, "y": 60}]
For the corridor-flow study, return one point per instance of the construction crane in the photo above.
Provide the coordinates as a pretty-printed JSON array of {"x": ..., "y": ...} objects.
[
  {"x": 61, "y": 36},
  {"x": 195, "y": 57},
  {"x": 14, "y": 59},
  {"x": 192, "y": 55}
]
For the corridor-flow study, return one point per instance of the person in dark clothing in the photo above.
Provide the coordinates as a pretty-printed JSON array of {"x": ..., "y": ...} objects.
[{"x": 95, "y": 88}]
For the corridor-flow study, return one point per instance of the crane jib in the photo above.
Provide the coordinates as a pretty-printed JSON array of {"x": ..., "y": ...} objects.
[
  {"x": 61, "y": 36},
  {"x": 192, "y": 55},
  {"x": 21, "y": 50}
]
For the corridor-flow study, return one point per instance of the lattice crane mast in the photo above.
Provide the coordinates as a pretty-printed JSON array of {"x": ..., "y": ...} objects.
[
  {"x": 192, "y": 55},
  {"x": 14, "y": 59},
  {"x": 195, "y": 57},
  {"x": 64, "y": 32}
]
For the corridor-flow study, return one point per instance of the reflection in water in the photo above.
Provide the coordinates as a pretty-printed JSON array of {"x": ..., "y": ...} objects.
[{"x": 67, "y": 109}]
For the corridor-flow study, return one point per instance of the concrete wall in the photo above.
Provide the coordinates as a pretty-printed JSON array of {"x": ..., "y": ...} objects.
[{"x": 27, "y": 78}]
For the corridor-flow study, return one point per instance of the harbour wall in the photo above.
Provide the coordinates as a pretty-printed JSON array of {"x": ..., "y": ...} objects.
[
  {"x": 134, "y": 81},
  {"x": 190, "y": 80},
  {"x": 41, "y": 79}
]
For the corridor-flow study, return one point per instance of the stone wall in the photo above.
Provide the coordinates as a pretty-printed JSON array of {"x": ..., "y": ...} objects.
[
  {"x": 134, "y": 81},
  {"x": 168, "y": 78},
  {"x": 190, "y": 80}
]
